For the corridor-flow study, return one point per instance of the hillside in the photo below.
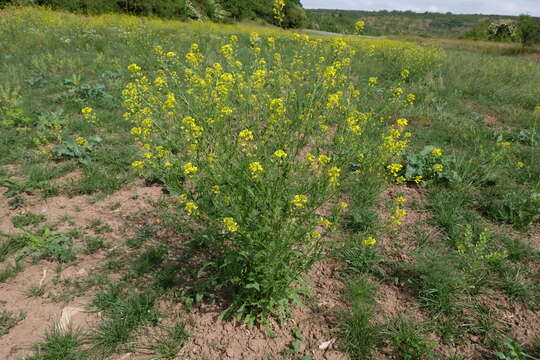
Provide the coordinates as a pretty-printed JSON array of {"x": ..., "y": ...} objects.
[
  {"x": 215, "y": 10},
  {"x": 397, "y": 22}
]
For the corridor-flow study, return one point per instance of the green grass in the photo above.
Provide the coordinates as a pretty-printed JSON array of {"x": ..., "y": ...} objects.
[
  {"x": 8, "y": 320},
  {"x": 9, "y": 271},
  {"x": 167, "y": 341},
  {"x": 123, "y": 311},
  {"x": 358, "y": 333},
  {"x": 407, "y": 339},
  {"x": 60, "y": 345},
  {"x": 436, "y": 281}
]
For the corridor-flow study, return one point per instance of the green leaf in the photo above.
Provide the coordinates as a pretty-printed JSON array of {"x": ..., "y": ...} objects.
[{"x": 253, "y": 286}]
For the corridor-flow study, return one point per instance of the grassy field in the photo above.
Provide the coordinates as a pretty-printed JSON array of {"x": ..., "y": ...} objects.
[{"x": 305, "y": 198}]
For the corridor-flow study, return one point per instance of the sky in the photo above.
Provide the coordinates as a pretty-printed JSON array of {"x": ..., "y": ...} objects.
[{"x": 492, "y": 7}]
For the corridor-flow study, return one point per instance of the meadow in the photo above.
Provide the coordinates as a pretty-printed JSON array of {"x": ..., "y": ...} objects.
[{"x": 174, "y": 190}]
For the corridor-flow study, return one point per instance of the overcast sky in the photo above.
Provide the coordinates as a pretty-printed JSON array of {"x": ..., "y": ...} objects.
[{"x": 492, "y": 7}]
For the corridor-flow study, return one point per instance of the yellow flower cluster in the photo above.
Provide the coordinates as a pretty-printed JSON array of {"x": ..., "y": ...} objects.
[
  {"x": 370, "y": 241},
  {"x": 190, "y": 169},
  {"x": 394, "y": 169},
  {"x": 277, "y": 9},
  {"x": 398, "y": 212},
  {"x": 359, "y": 26},
  {"x": 81, "y": 141},
  {"x": 333, "y": 176},
  {"x": 280, "y": 154},
  {"x": 230, "y": 224},
  {"x": 191, "y": 208},
  {"x": 256, "y": 169},
  {"x": 299, "y": 200}
]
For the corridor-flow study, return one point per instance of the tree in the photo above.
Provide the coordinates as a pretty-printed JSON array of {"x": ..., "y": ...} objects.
[
  {"x": 503, "y": 32},
  {"x": 530, "y": 30}
]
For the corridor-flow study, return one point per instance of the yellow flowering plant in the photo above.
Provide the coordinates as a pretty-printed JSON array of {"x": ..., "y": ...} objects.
[
  {"x": 429, "y": 164},
  {"x": 79, "y": 149},
  {"x": 260, "y": 151}
]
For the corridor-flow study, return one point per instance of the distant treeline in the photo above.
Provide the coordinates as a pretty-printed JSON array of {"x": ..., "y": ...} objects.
[
  {"x": 215, "y": 10},
  {"x": 384, "y": 22}
]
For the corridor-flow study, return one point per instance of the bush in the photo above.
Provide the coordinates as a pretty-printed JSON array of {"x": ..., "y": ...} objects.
[
  {"x": 530, "y": 30},
  {"x": 258, "y": 150}
]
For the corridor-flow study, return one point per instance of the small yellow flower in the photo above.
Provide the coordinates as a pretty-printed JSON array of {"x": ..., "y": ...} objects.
[
  {"x": 246, "y": 135},
  {"x": 227, "y": 51},
  {"x": 211, "y": 157},
  {"x": 167, "y": 164},
  {"x": 333, "y": 175},
  {"x": 137, "y": 164},
  {"x": 400, "y": 201},
  {"x": 86, "y": 110},
  {"x": 537, "y": 109},
  {"x": 418, "y": 179},
  {"x": 230, "y": 224},
  {"x": 520, "y": 164},
  {"x": 189, "y": 169},
  {"x": 256, "y": 169},
  {"x": 226, "y": 111},
  {"x": 370, "y": 241},
  {"x": 372, "y": 81},
  {"x": 394, "y": 169},
  {"x": 438, "y": 167},
  {"x": 343, "y": 205},
  {"x": 191, "y": 208},
  {"x": 405, "y": 73},
  {"x": 182, "y": 198},
  {"x": 325, "y": 223},
  {"x": 280, "y": 154},
  {"x": 437, "y": 152},
  {"x": 216, "y": 189},
  {"x": 299, "y": 200},
  {"x": 81, "y": 141},
  {"x": 134, "y": 68},
  {"x": 402, "y": 122},
  {"x": 400, "y": 213},
  {"x": 315, "y": 235},
  {"x": 171, "y": 54},
  {"x": 359, "y": 26},
  {"x": 504, "y": 144},
  {"x": 324, "y": 160}
]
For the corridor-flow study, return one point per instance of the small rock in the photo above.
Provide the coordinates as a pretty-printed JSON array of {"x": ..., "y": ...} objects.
[
  {"x": 325, "y": 345},
  {"x": 68, "y": 313}
]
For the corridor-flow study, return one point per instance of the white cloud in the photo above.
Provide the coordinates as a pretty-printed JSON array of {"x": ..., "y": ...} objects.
[{"x": 492, "y": 7}]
